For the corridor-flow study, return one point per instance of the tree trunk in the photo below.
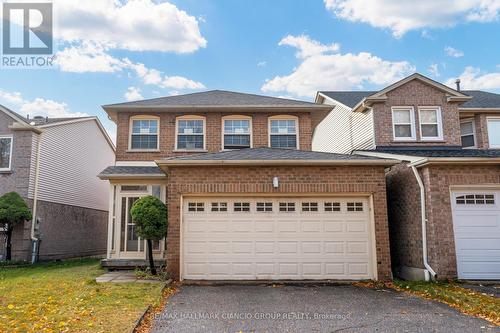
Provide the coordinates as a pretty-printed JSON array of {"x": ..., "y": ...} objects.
[
  {"x": 151, "y": 259},
  {"x": 8, "y": 250}
]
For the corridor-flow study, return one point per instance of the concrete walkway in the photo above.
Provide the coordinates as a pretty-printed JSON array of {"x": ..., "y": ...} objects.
[{"x": 122, "y": 277}]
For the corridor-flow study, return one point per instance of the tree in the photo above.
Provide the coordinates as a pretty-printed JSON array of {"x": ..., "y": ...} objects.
[
  {"x": 150, "y": 217},
  {"x": 13, "y": 210}
]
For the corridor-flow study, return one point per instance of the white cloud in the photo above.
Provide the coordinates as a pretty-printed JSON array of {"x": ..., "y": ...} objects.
[
  {"x": 262, "y": 64},
  {"x": 336, "y": 71},
  {"x": 307, "y": 47},
  {"x": 474, "y": 78},
  {"x": 133, "y": 94},
  {"x": 92, "y": 57},
  {"x": 136, "y": 25},
  {"x": 37, "y": 107},
  {"x": 403, "y": 16},
  {"x": 452, "y": 52},
  {"x": 434, "y": 70}
]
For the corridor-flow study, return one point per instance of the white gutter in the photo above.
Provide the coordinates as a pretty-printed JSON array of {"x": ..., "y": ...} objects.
[
  {"x": 424, "y": 224},
  {"x": 35, "y": 239}
]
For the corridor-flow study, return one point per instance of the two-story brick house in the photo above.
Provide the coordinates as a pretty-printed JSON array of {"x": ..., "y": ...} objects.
[
  {"x": 247, "y": 198},
  {"x": 444, "y": 198}
]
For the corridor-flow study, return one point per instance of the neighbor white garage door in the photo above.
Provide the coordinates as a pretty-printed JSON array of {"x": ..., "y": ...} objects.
[
  {"x": 276, "y": 238},
  {"x": 476, "y": 224}
]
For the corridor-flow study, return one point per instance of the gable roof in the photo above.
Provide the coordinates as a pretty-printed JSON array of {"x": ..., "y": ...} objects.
[
  {"x": 367, "y": 98},
  {"x": 272, "y": 156},
  {"x": 214, "y": 98}
]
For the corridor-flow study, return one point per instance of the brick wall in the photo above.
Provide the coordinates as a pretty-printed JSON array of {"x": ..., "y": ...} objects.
[
  {"x": 481, "y": 127},
  {"x": 297, "y": 180},
  {"x": 416, "y": 93},
  {"x": 404, "y": 212},
  {"x": 18, "y": 178},
  {"x": 213, "y": 135}
]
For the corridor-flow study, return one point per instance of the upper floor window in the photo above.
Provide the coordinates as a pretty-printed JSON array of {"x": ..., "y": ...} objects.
[
  {"x": 5, "y": 152},
  {"x": 430, "y": 123},
  {"x": 283, "y": 132},
  {"x": 144, "y": 134},
  {"x": 190, "y": 133},
  {"x": 236, "y": 132},
  {"x": 467, "y": 133},
  {"x": 494, "y": 132},
  {"x": 403, "y": 122}
]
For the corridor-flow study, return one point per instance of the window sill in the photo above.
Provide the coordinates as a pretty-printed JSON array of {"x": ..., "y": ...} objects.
[
  {"x": 190, "y": 151},
  {"x": 5, "y": 171},
  {"x": 142, "y": 151}
]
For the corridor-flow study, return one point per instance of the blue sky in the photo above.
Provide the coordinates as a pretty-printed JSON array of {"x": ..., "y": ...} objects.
[{"x": 113, "y": 51}]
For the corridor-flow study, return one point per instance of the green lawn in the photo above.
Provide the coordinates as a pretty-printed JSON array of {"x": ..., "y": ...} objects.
[
  {"x": 466, "y": 300},
  {"x": 64, "y": 297}
]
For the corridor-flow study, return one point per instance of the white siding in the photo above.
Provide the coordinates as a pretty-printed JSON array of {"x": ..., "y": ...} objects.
[
  {"x": 71, "y": 157},
  {"x": 342, "y": 131}
]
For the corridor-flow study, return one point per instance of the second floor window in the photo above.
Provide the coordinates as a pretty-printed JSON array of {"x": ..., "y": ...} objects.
[
  {"x": 191, "y": 133},
  {"x": 144, "y": 135},
  {"x": 5, "y": 153},
  {"x": 403, "y": 121},
  {"x": 237, "y": 133},
  {"x": 467, "y": 133},
  {"x": 494, "y": 132},
  {"x": 430, "y": 123},
  {"x": 283, "y": 133}
]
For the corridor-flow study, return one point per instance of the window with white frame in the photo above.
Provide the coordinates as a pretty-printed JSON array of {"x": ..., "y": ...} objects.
[
  {"x": 430, "y": 123},
  {"x": 403, "y": 121},
  {"x": 467, "y": 133},
  {"x": 237, "y": 132},
  {"x": 144, "y": 134},
  {"x": 283, "y": 132},
  {"x": 5, "y": 153},
  {"x": 494, "y": 132},
  {"x": 190, "y": 133}
]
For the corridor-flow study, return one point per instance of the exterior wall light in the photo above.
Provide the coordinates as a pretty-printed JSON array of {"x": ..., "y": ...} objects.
[{"x": 276, "y": 182}]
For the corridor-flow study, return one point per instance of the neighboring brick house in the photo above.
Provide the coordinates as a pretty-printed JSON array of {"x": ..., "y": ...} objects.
[
  {"x": 54, "y": 162},
  {"x": 247, "y": 198},
  {"x": 448, "y": 143}
]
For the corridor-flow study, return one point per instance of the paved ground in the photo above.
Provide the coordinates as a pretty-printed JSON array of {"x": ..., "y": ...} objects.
[
  {"x": 492, "y": 289},
  {"x": 342, "y": 308},
  {"x": 122, "y": 277}
]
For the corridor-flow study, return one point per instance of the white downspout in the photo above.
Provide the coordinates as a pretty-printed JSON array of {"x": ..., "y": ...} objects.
[
  {"x": 424, "y": 224},
  {"x": 34, "y": 239}
]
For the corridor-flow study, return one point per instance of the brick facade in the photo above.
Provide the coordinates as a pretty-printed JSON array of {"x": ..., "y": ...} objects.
[
  {"x": 300, "y": 180},
  {"x": 405, "y": 219},
  {"x": 213, "y": 132},
  {"x": 416, "y": 93}
]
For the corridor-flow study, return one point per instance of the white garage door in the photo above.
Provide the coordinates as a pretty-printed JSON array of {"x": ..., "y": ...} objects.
[
  {"x": 276, "y": 238},
  {"x": 476, "y": 224}
]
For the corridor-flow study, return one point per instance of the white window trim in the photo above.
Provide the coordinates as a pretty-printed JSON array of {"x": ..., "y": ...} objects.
[
  {"x": 283, "y": 117},
  {"x": 130, "y": 126},
  {"x": 191, "y": 117},
  {"x": 439, "y": 123},
  {"x": 467, "y": 120},
  {"x": 412, "y": 123},
  {"x": 488, "y": 129},
  {"x": 11, "y": 137},
  {"x": 236, "y": 117}
]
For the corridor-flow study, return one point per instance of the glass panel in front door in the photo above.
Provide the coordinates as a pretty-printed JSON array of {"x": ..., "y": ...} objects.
[{"x": 133, "y": 242}]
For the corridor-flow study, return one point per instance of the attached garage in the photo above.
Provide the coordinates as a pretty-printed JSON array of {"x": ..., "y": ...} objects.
[
  {"x": 276, "y": 238},
  {"x": 476, "y": 225}
]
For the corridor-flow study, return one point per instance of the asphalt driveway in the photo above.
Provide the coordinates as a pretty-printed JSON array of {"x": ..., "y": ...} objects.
[{"x": 339, "y": 308}]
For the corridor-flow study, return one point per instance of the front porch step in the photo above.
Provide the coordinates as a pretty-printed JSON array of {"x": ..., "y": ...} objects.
[{"x": 129, "y": 263}]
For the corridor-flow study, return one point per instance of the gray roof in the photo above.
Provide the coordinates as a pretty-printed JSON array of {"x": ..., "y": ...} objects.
[
  {"x": 480, "y": 99},
  {"x": 38, "y": 121},
  {"x": 216, "y": 98},
  {"x": 348, "y": 98},
  {"x": 269, "y": 154},
  {"x": 440, "y": 151},
  {"x": 152, "y": 171}
]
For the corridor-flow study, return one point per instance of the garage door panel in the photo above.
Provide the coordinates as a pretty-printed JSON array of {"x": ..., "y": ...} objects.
[
  {"x": 476, "y": 226},
  {"x": 276, "y": 245}
]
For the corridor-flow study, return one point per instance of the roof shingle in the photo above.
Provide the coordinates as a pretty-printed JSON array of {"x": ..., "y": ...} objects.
[{"x": 440, "y": 151}]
